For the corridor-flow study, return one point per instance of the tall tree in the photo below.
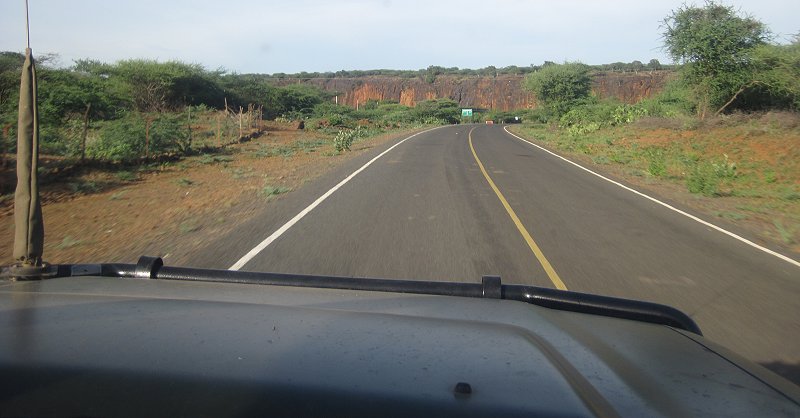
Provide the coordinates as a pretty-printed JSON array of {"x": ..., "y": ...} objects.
[
  {"x": 560, "y": 87},
  {"x": 715, "y": 44}
]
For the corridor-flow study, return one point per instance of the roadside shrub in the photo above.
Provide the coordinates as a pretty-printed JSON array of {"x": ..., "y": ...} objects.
[
  {"x": 120, "y": 140},
  {"x": 439, "y": 111},
  {"x": 724, "y": 169},
  {"x": 705, "y": 178},
  {"x": 431, "y": 120},
  {"x": 339, "y": 120},
  {"x": 52, "y": 141},
  {"x": 539, "y": 115},
  {"x": 168, "y": 135},
  {"x": 587, "y": 117},
  {"x": 626, "y": 114},
  {"x": 593, "y": 115},
  {"x": 656, "y": 162},
  {"x": 368, "y": 114},
  {"x": 701, "y": 179},
  {"x": 401, "y": 116},
  {"x": 125, "y": 139},
  {"x": 343, "y": 140},
  {"x": 674, "y": 101}
]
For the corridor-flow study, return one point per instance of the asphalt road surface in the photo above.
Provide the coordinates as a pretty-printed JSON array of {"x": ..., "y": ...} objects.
[{"x": 427, "y": 210}]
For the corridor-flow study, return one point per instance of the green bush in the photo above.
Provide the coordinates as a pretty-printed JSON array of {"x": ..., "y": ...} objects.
[
  {"x": 53, "y": 141},
  {"x": 124, "y": 139},
  {"x": 539, "y": 115},
  {"x": 592, "y": 115},
  {"x": 625, "y": 114},
  {"x": 398, "y": 117},
  {"x": 343, "y": 140},
  {"x": 560, "y": 87},
  {"x": 438, "y": 111},
  {"x": 705, "y": 177},
  {"x": 701, "y": 179},
  {"x": 674, "y": 101},
  {"x": 120, "y": 140},
  {"x": 656, "y": 162}
]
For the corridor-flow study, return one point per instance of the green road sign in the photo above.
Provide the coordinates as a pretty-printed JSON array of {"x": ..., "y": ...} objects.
[{"x": 466, "y": 112}]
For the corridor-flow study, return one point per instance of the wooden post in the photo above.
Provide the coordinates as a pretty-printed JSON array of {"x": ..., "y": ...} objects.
[
  {"x": 219, "y": 131},
  {"x": 147, "y": 122},
  {"x": 189, "y": 126},
  {"x": 4, "y": 145},
  {"x": 240, "y": 122},
  {"x": 85, "y": 131}
]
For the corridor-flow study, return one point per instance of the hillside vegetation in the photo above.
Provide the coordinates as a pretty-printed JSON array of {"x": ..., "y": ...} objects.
[{"x": 143, "y": 109}]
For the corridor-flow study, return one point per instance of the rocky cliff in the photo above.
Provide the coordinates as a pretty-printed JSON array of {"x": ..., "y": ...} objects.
[{"x": 504, "y": 92}]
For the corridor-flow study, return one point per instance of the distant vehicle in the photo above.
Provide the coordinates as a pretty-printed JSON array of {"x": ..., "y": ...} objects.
[{"x": 151, "y": 340}]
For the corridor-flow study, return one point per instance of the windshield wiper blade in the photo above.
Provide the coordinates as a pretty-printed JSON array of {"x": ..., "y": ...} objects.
[{"x": 153, "y": 268}]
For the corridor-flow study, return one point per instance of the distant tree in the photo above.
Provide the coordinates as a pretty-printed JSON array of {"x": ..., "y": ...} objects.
[
  {"x": 446, "y": 110},
  {"x": 654, "y": 64},
  {"x": 245, "y": 89},
  {"x": 714, "y": 43},
  {"x": 300, "y": 97},
  {"x": 490, "y": 71},
  {"x": 432, "y": 72},
  {"x": 560, "y": 87},
  {"x": 10, "y": 70},
  {"x": 617, "y": 66},
  {"x": 157, "y": 87}
]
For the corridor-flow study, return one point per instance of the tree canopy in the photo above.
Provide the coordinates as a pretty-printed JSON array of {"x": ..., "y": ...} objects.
[
  {"x": 715, "y": 43},
  {"x": 559, "y": 87}
]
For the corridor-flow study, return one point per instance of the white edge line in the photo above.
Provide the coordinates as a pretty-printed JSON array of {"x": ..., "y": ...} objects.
[
  {"x": 264, "y": 244},
  {"x": 690, "y": 216}
]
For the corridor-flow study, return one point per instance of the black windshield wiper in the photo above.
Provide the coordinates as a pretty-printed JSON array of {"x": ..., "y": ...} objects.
[{"x": 153, "y": 268}]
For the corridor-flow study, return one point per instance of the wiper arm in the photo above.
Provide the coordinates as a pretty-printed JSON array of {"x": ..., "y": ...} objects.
[{"x": 153, "y": 268}]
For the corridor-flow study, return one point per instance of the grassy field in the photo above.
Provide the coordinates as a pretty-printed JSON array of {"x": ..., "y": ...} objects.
[{"x": 744, "y": 169}]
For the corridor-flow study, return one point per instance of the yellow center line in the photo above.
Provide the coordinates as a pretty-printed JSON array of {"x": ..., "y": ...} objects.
[{"x": 551, "y": 273}]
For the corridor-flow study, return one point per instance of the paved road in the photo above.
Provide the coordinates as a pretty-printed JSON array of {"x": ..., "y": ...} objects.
[{"x": 425, "y": 210}]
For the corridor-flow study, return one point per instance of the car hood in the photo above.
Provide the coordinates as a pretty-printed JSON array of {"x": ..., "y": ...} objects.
[{"x": 133, "y": 347}]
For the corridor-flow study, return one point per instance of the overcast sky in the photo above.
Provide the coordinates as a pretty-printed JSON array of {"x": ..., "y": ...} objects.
[{"x": 329, "y": 35}]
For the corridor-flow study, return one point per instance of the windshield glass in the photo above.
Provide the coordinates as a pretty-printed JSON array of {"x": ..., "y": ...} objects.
[{"x": 609, "y": 148}]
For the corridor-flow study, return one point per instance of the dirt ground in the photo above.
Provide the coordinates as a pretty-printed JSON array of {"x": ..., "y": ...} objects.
[{"x": 172, "y": 209}]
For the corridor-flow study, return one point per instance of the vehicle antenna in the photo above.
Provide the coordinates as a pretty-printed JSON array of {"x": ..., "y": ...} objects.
[
  {"x": 27, "y": 26},
  {"x": 28, "y": 222}
]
